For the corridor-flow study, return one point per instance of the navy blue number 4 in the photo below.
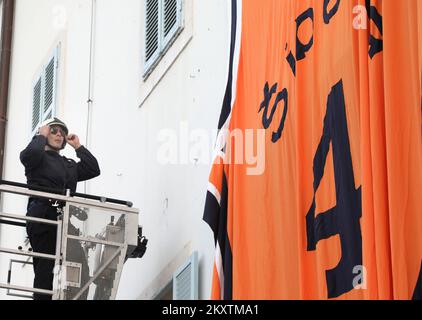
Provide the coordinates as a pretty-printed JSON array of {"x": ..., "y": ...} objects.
[{"x": 344, "y": 218}]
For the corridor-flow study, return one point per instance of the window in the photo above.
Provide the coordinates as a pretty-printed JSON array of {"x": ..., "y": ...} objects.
[
  {"x": 163, "y": 23},
  {"x": 44, "y": 93},
  {"x": 185, "y": 280}
]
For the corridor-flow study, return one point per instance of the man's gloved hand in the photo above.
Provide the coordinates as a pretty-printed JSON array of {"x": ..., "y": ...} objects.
[
  {"x": 73, "y": 140},
  {"x": 44, "y": 131}
]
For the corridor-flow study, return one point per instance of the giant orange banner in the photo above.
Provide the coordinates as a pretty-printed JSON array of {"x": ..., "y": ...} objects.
[{"x": 336, "y": 210}]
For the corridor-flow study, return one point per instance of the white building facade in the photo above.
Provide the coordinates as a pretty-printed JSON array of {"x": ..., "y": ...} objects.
[{"x": 141, "y": 82}]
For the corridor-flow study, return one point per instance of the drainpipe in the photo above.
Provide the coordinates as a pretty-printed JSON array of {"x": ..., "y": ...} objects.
[
  {"x": 6, "y": 48},
  {"x": 90, "y": 100}
]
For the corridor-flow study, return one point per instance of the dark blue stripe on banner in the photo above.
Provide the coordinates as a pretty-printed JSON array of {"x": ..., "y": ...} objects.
[
  {"x": 226, "y": 109},
  {"x": 417, "y": 294},
  {"x": 210, "y": 215},
  {"x": 216, "y": 216},
  {"x": 223, "y": 240}
]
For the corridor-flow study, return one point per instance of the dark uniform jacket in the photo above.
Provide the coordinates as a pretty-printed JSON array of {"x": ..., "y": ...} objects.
[{"x": 50, "y": 169}]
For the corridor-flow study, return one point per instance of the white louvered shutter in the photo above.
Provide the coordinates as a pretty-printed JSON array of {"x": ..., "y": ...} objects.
[
  {"x": 185, "y": 280},
  {"x": 163, "y": 22},
  {"x": 36, "y": 106},
  {"x": 50, "y": 75},
  {"x": 44, "y": 93},
  {"x": 152, "y": 31},
  {"x": 171, "y": 20}
]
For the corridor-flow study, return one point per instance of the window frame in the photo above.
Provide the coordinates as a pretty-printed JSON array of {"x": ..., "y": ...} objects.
[
  {"x": 41, "y": 76},
  {"x": 193, "y": 263},
  {"x": 164, "y": 42},
  {"x": 174, "y": 52}
]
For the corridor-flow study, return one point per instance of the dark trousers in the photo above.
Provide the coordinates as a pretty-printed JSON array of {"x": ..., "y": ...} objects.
[
  {"x": 43, "y": 268},
  {"x": 42, "y": 238}
]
